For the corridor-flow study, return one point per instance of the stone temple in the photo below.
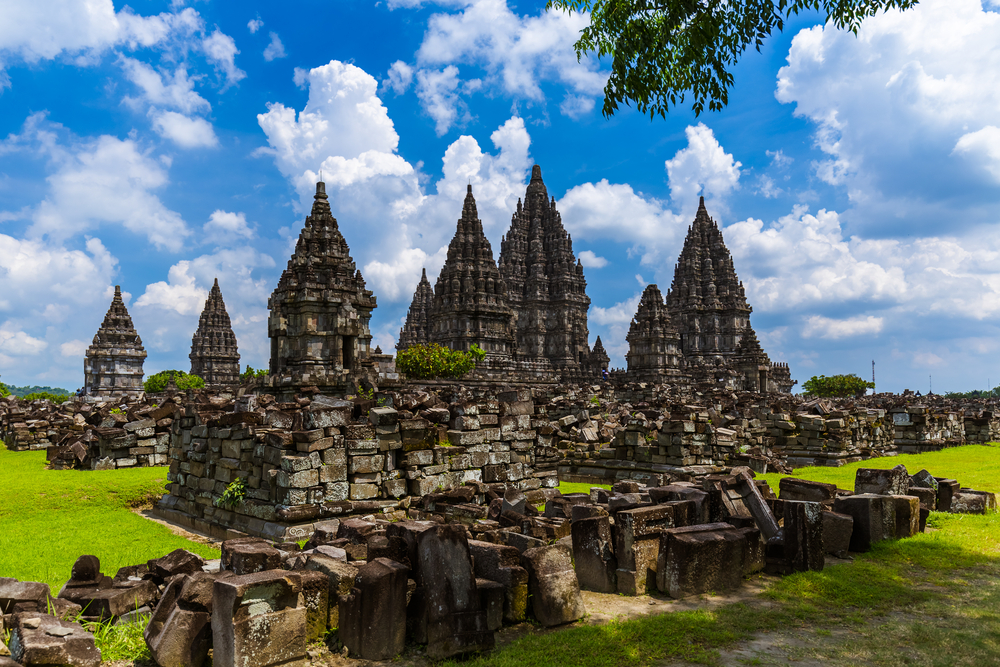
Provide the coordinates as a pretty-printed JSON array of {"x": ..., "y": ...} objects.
[
  {"x": 545, "y": 283},
  {"x": 416, "y": 331},
  {"x": 113, "y": 364},
  {"x": 470, "y": 299},
  {"x": 320, "y": 311},
  {"x": 214, "y": 356},
  {"x": 704, "y": 323}
]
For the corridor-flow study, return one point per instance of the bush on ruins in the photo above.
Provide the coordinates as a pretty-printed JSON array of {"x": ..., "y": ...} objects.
[
  {"x": 424, "y": 362},
  {"x": 158, "y": 382},
  {"x": 836, "y": 385}
]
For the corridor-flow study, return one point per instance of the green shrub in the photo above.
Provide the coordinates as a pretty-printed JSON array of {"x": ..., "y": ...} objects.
[
  {"x": 4, "y": 391},
  {"x": 251, "y": 373},
  {"x": 158, "y": 382},
  {"x": 44, "y": 395},
  {"x": 836, "y": 385},
  {"x": 425, "y": 362}
]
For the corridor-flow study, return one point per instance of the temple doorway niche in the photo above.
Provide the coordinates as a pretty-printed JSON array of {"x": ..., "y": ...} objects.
[{"x": 348, "y": 352}]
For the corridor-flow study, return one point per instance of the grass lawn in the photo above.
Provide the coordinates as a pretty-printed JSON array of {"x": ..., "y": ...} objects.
[{"x": 48, "y": 518}]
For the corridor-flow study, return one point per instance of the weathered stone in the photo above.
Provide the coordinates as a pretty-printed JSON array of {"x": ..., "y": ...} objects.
[
  {"x": 43, "y": 640},
  {"x": 874, "y": 518},
  {"x": 593, "y": 554},
  {"x": 113, "y": 363},
  {"x": 803, "y": 535},
  {"x": 340, "y": 580},
  {"x": 455, "y": 622},
  {"x": 968, "y": 501},
  {"x": 214, "y": 356},
  {"x": 178, "y": 561},
  {"x": 502, "y": 563},
  {"x": 907, "y": 515},
  {"x": 247, "y": 557},
  {"x": 555, "y": 590},
  {"x": 14, "y": 592},
  {"x": 257, "y": 620},
  {"x": 696, "y": 559},
  {"x": 316, "y": 600},
  {"x": 791, "y": 488},
  {"x": 837, "y": 529},
  {"x": 373, "y": 615},
  {"x": 893, "y": 482}
]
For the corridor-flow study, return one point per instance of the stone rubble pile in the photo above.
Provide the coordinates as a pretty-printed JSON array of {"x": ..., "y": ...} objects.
[{"x": 472, "y": 558}]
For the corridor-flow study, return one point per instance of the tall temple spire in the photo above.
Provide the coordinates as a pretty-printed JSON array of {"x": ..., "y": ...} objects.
[
  {"x": 416, "y": 331},
  {"x": 546, "y": 285},
  {"x": 470, "y": 298},
  {"x": 113, "y": 364},
  {"x": 653, "y": 342},
  {"x": 320, "y": 310},
  {"x": 214, "y": 355}
]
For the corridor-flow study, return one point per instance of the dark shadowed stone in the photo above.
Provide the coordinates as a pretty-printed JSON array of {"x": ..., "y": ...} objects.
[
  {"x": 179, "y": 561},
  {"x": 316, "y": 599},
  {"x": 790, "y": 488},
  {"x": 373, "y": 615},
  {"x": 86, "y": 569},
  {"x": 837, "y": 529},
  {"x": 893, "y": 482},
  {"x": 874, "y": 518},
  {"x": 116, "y": 602},
  {"x": 40, "y": 639},
  {"x": 491, "y": 601},
  {"x": 923, "y": 479},
  {"x": 257, "y": 620},
  {"x": 804, "y": 547},
  {"x": 674, "y": 492},
  {"x": 927, "y": 496},
  {"x": 593, "y": 554},
  {"x": 907, "y": 516},
  {"x": 340, "y": 580},
  {"x": 455, "y": 622},
  {"x": 502, "y": 563},
  {"x": 947, "y": 488},
  {"x": 696, "y": 559},
  {"x": 250, "y": 557},
  {"x": 555, "y": 590},
  {"x": 14, "y": 592}
]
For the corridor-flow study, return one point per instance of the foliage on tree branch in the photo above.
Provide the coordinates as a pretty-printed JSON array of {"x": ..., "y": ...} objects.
[
  {"x": 425, "y": 362},
  {"x": 663, "y": 51},
  {"x": 836, "y": 386}
]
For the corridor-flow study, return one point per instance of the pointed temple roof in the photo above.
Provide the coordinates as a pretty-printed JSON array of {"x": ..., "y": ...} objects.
[
  {"x": 545, "y": 281},
  {"x": 470, "y": 298},
  {"x": 654, "y": 343},
  {"x": 113, "y": 363},
  {"x": 214, "y": 355},
  {"x": 320, "y": 309},
  {"x": 417, "y": 327}
]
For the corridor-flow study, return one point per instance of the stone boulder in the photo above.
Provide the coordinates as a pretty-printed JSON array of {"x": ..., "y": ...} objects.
[
  {"x": 373, "y": 615},
  {"x": 555, "y": 590},
  {"x": 40, "y": 639},
  {"x": 257, "y": 620},
  {"x": 892, "y": 482}
]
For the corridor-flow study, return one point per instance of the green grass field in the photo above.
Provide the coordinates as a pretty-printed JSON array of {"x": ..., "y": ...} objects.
[{"x": 48, "y": 518}]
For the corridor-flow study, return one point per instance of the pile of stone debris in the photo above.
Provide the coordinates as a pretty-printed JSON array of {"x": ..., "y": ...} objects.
[{"x": 450, "y": 575}]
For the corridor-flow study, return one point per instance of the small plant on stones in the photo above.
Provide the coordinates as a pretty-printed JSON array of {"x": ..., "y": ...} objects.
[
  {"x": 233, "y": 495},
  {"x": 116, "y": 411},
  {"x": 366, "y": 394},
  {"x": 594, "y": 400}
]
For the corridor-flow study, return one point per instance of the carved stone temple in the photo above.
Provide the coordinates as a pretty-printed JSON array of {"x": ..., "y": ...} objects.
[
  {"x": 214, "y": 355},
  {"x": 416, "y": 331},
  {"x": 320, "y": 311},
  {"x": 654, "y": 345},
  {"x": 707, "y": 318},
  {"x": 545, "y": 283},
  {"x": 113, "y": 364},
  {"x": 470, "y": 300}
]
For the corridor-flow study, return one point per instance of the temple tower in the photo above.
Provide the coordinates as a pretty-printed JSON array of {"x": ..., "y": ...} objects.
[
  {"x": 706, "y": 300},
  {"x": 417, "y": 327},
  {"x": 654, "y": 352},
  {"x": 470, "y": 299},
  {"x": 214, "y": 356},
  {"x": 599, "y": 359},
  {"x": 545, "y": 282},
  {"x": 320, "y": 311},
  {"x": 113, "y": 365}
]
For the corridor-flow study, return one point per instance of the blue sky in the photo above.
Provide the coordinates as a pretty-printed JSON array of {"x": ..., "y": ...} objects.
[{"x": 159, "y": 145}]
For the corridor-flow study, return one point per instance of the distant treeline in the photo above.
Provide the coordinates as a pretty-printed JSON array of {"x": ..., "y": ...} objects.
[
  {"x": 21, "y": 392},
  {"x": 975, "y": 393}
]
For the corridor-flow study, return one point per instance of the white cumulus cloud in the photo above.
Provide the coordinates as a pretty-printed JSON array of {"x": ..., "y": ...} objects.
[{"x": 184, "y": 131}]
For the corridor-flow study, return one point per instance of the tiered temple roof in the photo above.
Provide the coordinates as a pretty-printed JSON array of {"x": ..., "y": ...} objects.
[
  {"x": 654, "y": 343},
  {"x": 545, "y": 282},
  {"x": 706, "y": 300},
  {"x": 214, "y": 355},
  {"x": 599, "y": 359},
  {"x": 417, "y": 328},
  {"x": 113, "y": 364},
  {"x": 320, "y": 310},
  {"x": 470, "y": 299}
]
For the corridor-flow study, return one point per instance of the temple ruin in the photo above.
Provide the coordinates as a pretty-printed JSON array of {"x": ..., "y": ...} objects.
[
  {"x": 113, "y": 363},
  {"x": 654, "y": 352},
  {"x": 214, "y": 355},
  {"x": 545, "y": 283},
  {"x": 416, "y": 330},
  {"x": 320, "y": 310},
  {"x": 470, "y": 300}
]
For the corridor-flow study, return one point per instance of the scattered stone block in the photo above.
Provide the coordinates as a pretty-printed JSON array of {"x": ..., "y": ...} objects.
[
  {"x": 696, "y": 559},
  {"x": 593, "y": 554},
  {"x": 243, "y": 556},
  {"x": 178, "y": 561},
  {"x": 967, "y": 501},
  {"x": 502, "y": 563},
  {"x": 257, "y": 620},
  {"x": 790, "y": 488},
  {"x": 906, "y": 510},
  {"x": 874, "y": 518},
  {"x": 373, "y": 615},
  {"x": 837, "y": 529},
  {"x": 555, "y": 590},
  {"x": 40, "y": 639},
  {"x": 892, "y": 482},
  {"x": 803, "y": 537},
  {"x": 340, "y": 580}
]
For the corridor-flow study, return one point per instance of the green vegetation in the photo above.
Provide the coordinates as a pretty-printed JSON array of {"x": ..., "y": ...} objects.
[
  {"x": 122, "y": 641},
  {"x": 233, "y": 495},
  {"x": 250, "y": 373},
  {"x": 975, "y": 393},
  {"x": 661, "y": 52},
  {"x": 836, "y": 385},
  {"x": 48, "y": 518},
  {"x": 580, "y": 487},
  {"x": 46, "y": 396},
  {"x": 158, "y": 382},
  {"x": 425, "y": 362},
  {"x": 25, "y": 392}
]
